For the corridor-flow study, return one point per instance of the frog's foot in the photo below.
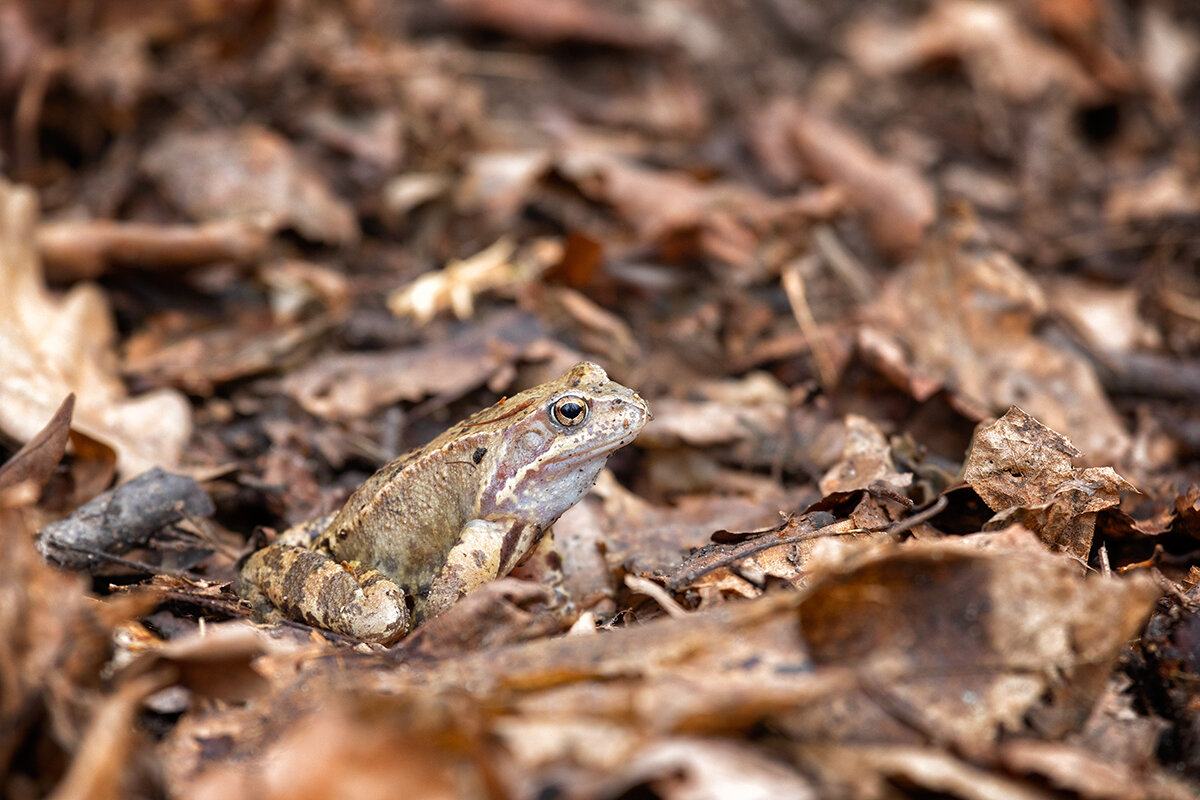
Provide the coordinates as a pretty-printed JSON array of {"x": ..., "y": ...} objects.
[
  {"x": 472, "y": 562},
  {"x": 310, "y": 586},
  {"x": 544, "y": 565}
]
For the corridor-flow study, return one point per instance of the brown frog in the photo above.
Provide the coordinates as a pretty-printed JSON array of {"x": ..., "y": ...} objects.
[{"x": 436, "y": 523}]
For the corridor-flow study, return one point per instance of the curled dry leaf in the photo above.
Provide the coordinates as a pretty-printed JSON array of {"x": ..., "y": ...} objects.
[
  {"x": 54, "y": 346},
  {"x": 791, "y": 141},
  {"x": 1017, "y": 460},
  {"x": 123, "y": 518},
  {"x": 498, "y": 613},
  {"x": 31, "y": 468},
  {"x": 1023, "y": 471},
  {"x": 36, "y": 460},
  {"x": 217, "y": 663},
  {"x": 250, "y": 173},
  {"x": 455, "y": 287},
  {"x": 657, "y": 203}
]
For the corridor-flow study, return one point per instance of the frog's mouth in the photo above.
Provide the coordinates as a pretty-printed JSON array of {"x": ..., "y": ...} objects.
[{"x": 590, "y": 453}]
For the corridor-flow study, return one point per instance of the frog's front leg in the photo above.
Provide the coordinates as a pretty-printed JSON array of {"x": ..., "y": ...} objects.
[
  {"x": 311, "y": 586},
  {"x": 475, "y": 560}
]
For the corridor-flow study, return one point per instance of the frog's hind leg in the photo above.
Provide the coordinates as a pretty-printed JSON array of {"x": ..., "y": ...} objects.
[
  {"x": 309, "y": 585},
  {"x": 303, "y": 534}
]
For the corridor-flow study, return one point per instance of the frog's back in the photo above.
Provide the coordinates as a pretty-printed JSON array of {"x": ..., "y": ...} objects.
[{"x": 407, "y": 516}]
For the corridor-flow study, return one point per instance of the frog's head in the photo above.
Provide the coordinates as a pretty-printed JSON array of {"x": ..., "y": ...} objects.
[{"x": 552, "y": 441}]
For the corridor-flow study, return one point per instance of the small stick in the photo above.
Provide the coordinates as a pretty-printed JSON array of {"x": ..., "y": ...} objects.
[
  {"x": 657, "y": 593},
  {"x": 793, "y": 286}
]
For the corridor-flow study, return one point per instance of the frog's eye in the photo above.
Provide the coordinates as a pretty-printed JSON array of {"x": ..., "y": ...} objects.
[{"x": 569, "y": 411}]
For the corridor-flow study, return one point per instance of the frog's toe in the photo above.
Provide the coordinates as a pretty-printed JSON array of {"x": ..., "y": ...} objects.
[{"x": 376, "y": 610}]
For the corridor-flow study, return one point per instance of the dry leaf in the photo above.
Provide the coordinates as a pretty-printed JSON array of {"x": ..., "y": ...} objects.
[
  {"x": 36, "y": 460},
  {"x": 250, "y": 173},
  {"x": 455, "y": 287},
  {"x": 866, "y": 459},
  {"x": 1023, "y": 470},
  {"x": 83, "y": 249},
  {"x": 990, "y": 39},
  {"x": 960, "y": 643},
  {"x": 346, "y": 385},
  {"x": 55, "y": 346},
  {"x": 564, "y": 21},
  {"x": 896, "y": 201},
  {"x": 963, "y": 316}
]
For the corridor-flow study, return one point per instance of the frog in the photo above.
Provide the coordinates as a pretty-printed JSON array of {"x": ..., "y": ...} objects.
[{"x": 438, "y": 522}]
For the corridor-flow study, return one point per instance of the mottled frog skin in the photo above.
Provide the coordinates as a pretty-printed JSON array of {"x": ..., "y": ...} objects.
[{"x": 436, "y": 523}]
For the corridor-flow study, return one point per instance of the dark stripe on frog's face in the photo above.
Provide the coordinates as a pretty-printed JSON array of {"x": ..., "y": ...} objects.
[{"x": 511, "y": 409}]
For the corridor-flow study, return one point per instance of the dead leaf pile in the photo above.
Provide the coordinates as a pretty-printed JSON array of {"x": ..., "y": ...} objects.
[{"x": 911, "y": 291}]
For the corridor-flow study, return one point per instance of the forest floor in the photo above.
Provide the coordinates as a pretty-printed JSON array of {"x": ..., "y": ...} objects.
[{"x": 912, "y": 290}]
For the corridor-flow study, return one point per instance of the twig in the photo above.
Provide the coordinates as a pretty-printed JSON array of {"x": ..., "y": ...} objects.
[
  {"x": 793, "y": 286},
  {"x": 741, "y": 555},
  {"x": 843, "y": 262},
  {"x": 139, "y": 566},
  {"x": 657, "y": 593},
  {"x": 916, "y": 519}
]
